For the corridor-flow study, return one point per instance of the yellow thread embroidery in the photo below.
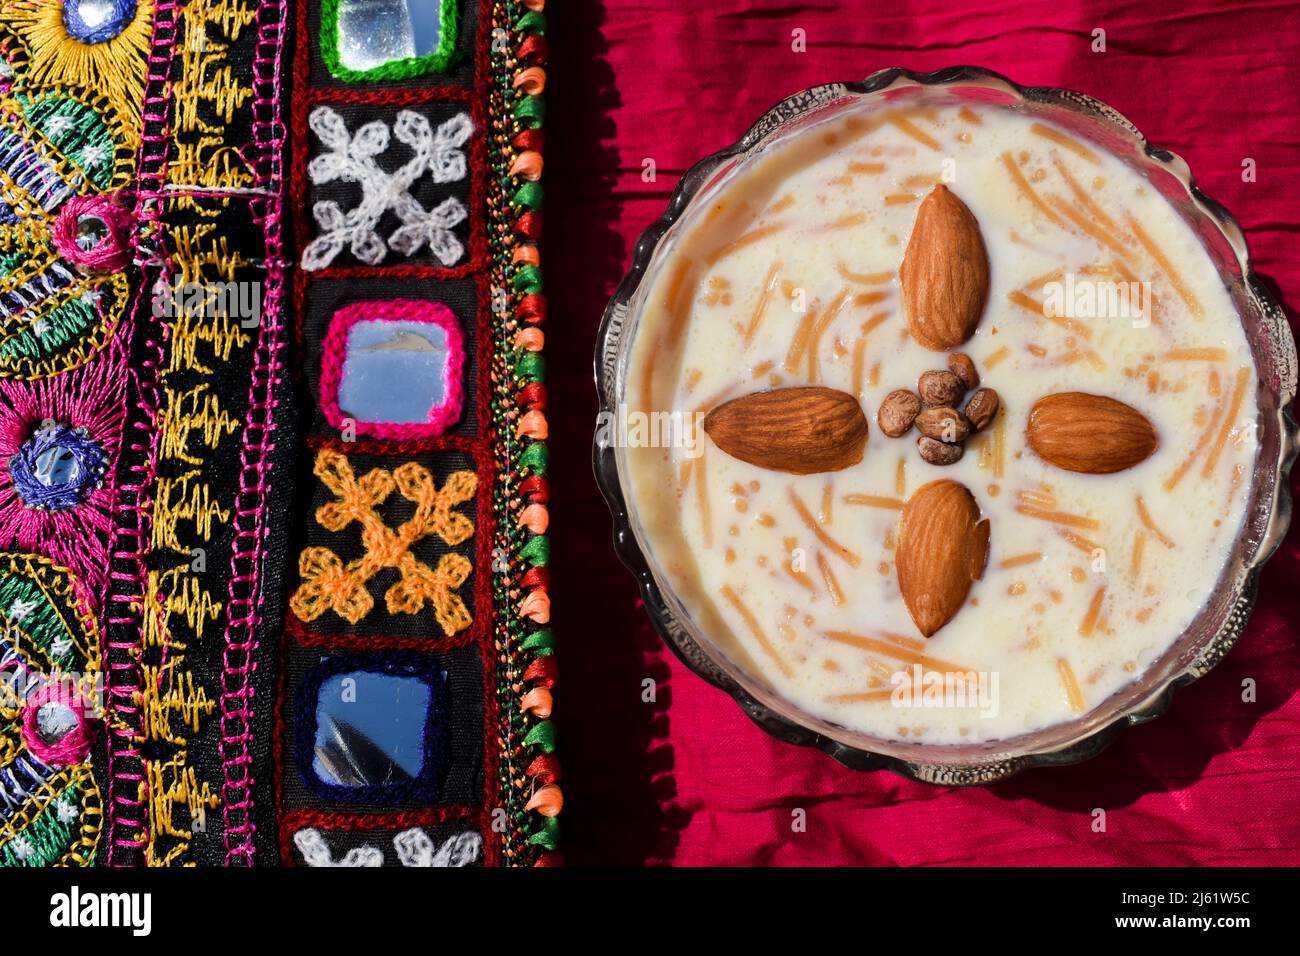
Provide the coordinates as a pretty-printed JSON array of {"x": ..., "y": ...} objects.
[
  {"x": 194, "y": 329},
  {"x": 109, "y": 292},
  {"x": 328, "y": 583},
  {"x": 72, "y": 787},
  {"x": 198, "y": 256},
  {"x": 195, "y": 425},
  {"x": 25, "y": 353},
  {"x": 32, "y": 229},
  {"x": 202, "y": 156},
  {"x": 67, "y": 168},
  {"x": 187, "y": 498},
  {"x": 122, "y": 129},
  {"x": 195, "y": 411},
  {"x": 114, "y": 66},
  {"x": 171, "y": 705},
  {"x": 182, "y": 701},
  {"x": 185, "y": 597},
  {"x": 175, "y": 784},
  {"x": 48, "y": 794}
]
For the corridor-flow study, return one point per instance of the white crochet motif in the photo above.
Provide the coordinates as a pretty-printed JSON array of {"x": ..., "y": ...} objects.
[
  {"x": 414, "y": 848},
  {"x": 352, "y": 158}
]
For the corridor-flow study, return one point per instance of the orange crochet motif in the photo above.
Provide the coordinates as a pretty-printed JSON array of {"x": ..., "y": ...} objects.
[{"x": 329, "y": 583}]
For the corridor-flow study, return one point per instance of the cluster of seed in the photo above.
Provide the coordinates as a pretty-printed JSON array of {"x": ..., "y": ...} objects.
[{"x": 933, "y": 409}]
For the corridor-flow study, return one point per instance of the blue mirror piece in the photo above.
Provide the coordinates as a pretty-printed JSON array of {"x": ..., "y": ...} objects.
[
  {"x": 393, "y": 371},
  {"x": 96, "y": 21},
  {"x": 57, "y": 467},
  {"x": 91, "y": 231},
  {"x": 372, "y": 33},
  {"x": 370, "y": 729},
  {"x": 55, "y": 720}
]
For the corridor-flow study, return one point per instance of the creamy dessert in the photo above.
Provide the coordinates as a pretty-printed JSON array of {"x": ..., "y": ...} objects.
[{"x": 966, "y": 422}]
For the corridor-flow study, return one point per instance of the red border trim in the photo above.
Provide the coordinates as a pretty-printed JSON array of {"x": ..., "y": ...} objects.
[
  {"x": 478, "y": 447},
  {"x": 297, "y": 820}
]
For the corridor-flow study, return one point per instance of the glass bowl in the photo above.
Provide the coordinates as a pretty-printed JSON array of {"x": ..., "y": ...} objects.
[{"x": 1224, "y": 617}]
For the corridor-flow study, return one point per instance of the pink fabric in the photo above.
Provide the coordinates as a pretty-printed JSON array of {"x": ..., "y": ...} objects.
[{"x": 688, "y": 779}]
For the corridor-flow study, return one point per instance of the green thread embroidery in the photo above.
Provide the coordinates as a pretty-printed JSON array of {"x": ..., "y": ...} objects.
[
  {"x": 49, "y": 836},
  {"x": 531, "y": 112},
  {"x": 77, "y": 132},
  {"x": 524, "y": 735},
  {"x": 64, "y": 333},
  {"x": 528, "y": 280},
  {"x": 51, "y": 815},
  {"x": 531, "y": 367},
  {"x": 547, "y": 836},
  {"x": 530, "y": 195},
  {"x": 60, "y": 326},
  {"x": 537, "y": 551},
  {"x": 82, "y": 139},
  {"x": 541, "y": 642},
  {"x": 439, "y": 61},
  {"x": 34, "y": 598}
]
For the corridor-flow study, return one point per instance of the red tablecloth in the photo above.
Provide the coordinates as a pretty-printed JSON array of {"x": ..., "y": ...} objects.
[{"x": 687, "y": 779}]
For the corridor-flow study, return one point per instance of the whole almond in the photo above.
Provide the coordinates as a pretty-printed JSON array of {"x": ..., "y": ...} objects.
[
  {"x": 939, "y": 387},
  {"x": 944, "y": 277},
  {"x": 897, "y": 412},
  {"x": 802, "y": 430},
  {"x": 982, "y": 408},
  {"x": 963, "y": 366},
  {"x": 944, "y": 424},
  {"x": 942, "y": 548},
  {"x": 938, "y": 452},
  {"x": 1087, "y": 433}
]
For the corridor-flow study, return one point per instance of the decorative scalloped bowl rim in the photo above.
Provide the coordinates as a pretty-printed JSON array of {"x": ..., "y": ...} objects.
[{"x": 1063, "y": 743}]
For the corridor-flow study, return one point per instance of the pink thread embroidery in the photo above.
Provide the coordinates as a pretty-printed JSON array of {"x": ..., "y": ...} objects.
[
  {"x": 94, "y": 233},
  {"x": 72, "y": 742},
  {"x": 89, "y": 397},
  {"x": 243, "y": 614},
  {"x": 441, "y": 416},
  {"x": 128, "y": 781}
]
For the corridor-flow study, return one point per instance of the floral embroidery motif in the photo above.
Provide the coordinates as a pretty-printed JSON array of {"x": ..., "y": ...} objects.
[
  {"x": 329, "y": 583},
  {"x": 65, "y": 238},
  {"x": 97, "y": 45},
  {"x": 50, "y": 694},
  {"x": 352, "y": 158}
]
